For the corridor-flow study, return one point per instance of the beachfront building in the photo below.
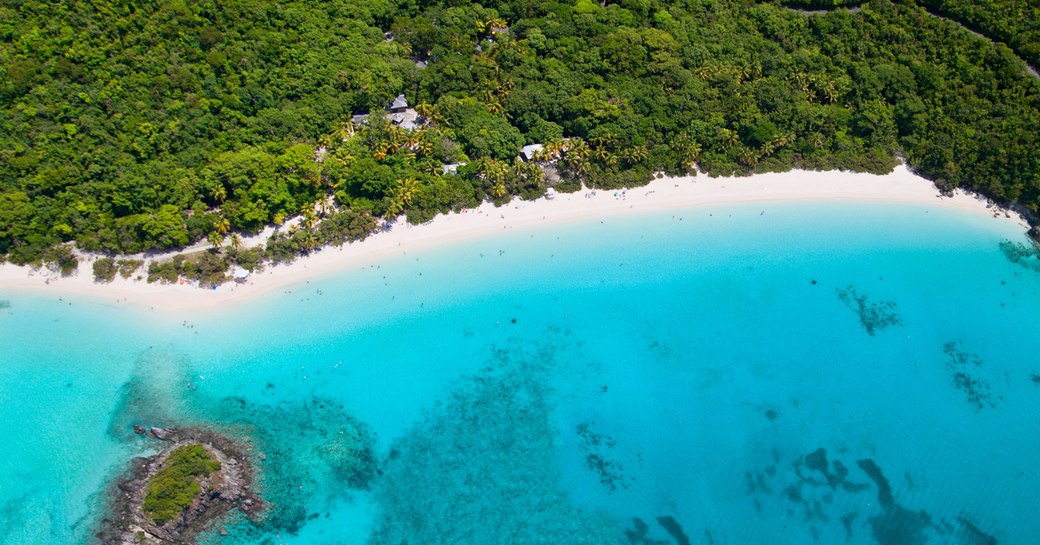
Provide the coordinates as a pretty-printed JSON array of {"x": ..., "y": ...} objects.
[
  {"x": 531, "y": 152},
  {"x": 240, "y": 275},
  {"x": 452, "y": 168}
]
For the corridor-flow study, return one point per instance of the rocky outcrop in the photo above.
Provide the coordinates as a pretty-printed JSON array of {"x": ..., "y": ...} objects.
[
  {"x": 162, "y": 434},
  {"x": 1034, "y": 233},
  {"x": 230, "y": 487}
]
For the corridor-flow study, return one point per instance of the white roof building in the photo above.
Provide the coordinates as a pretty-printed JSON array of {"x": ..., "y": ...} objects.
[
  {"x": 531, "y": 151},
  {"x": 240, "y": 275},
  {"x": 452, "y": 168}
]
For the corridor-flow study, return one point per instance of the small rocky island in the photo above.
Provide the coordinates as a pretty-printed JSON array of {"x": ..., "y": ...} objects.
[{"x": 173, "y": 496}]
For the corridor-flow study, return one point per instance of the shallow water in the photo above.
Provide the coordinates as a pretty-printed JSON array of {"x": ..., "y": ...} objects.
[{"x": 751, "y": 374}]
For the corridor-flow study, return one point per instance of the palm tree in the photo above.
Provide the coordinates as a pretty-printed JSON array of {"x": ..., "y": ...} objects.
[
  {"x": 729, "y": 136},
  {"x": 218, "y": 193},
  {"x": 424, "y": 109},
  {"x": 380, "y": 152},
  {"x": 635, "y": 155},
  {"x": 747, "y": 156},
  {"x": 221, "y": 226},
  {"x": 689, "y": 150},
  {"x": 342, "y": 156},
  {"x": 551, "y": 150},
  {"x": 394, "y": 208},
  {"x": 309, "y": 218},
  {"x": 492, "y": 23},
  {"x": 216, "y": 240},
  {"x": 424, "y": 147},
  {"x": 404, "y": 193},
  {"x": 344, "y": 130}
]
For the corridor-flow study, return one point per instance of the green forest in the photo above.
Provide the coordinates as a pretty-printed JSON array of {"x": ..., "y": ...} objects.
[{"x": 134, "y": 127}]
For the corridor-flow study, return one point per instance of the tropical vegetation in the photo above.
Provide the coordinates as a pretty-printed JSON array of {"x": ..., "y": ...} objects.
[
  {"x": 144, "y": 127},
  {"x": 173, "y": 488}
]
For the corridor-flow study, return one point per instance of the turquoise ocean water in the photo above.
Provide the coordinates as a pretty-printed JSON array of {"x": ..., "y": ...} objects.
[{"x": 755, "y": 374}]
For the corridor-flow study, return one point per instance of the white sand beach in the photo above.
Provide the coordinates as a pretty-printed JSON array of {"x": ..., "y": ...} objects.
[{"x": 900, "y": 186}]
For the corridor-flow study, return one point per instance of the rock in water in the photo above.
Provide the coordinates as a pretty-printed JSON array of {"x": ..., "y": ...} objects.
[{"x": 228, "y": 485}]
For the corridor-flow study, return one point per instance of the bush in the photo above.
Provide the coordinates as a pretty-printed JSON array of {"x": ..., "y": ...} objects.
[
  {"x": 61, "y": 259},
  {"x": 105, "y": 269},
  {"x": 250, "y": 259},
  {"x": 204, "y": 267},
  {"x": 127, "y": 267},
  {"x": 174, "y": 487},
  {"x": 165, "y": 271}
]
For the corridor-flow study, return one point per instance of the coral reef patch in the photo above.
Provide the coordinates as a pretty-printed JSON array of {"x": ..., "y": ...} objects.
[
  {"x": 1026, "y": 254},
  {"x": 596, "y": 449},
  {"x": 304, "y": 449},
  {"x": 300, "y": 449},
  {"x": 873, "y": 316},
  {"x": 964, "y": 372},
  {"x": 480, "y": 467}
]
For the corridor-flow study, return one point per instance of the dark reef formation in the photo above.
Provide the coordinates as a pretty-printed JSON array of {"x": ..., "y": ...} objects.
[
  {"x": 1021, "y": 253},
  {"x": 674, "y": 529},
  {"x": 812, "y": 488},
  {"x": 229, "y": 487},
  {"x": 895, "y": 525},
  {"x": 873, "y": 316},
  {"x": 596, "y": 449},
  {"x": 304, "y": 448},
  {"x": 964, "y": 368},
  {"x": 639, "y": 533}
]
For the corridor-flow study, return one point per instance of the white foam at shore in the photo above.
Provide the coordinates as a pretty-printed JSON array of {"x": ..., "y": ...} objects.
[{"x": 900, "y": 186}]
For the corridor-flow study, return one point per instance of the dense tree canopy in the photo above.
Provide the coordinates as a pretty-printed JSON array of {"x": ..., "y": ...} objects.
[
  {"x": 140, "y": 126},
  {"x": 1013, "y": 22}
]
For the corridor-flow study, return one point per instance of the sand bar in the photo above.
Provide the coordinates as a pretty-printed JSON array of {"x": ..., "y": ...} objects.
[{"x": 900, "y": 186}]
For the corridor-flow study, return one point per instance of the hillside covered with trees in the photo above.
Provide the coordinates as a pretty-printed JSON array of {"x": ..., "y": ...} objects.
[{"x": 131, "y": 127}]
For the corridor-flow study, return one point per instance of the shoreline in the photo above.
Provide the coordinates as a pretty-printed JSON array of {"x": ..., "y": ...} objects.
[{"x": 662, "y": 194}]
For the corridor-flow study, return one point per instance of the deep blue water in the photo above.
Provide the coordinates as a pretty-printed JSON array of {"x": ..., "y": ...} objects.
[{"x": 757, "y": 374}]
